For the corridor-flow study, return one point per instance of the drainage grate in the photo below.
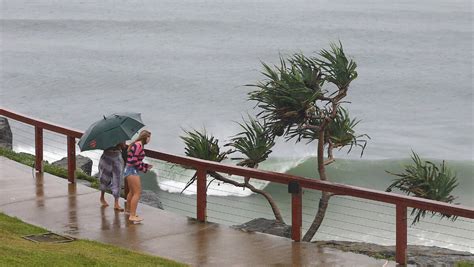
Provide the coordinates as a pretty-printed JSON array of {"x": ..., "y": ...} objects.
[{"x": 48, "y": 238}]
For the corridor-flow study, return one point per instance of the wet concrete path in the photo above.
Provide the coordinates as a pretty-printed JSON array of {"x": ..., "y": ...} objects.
[{"x": 74, "y": 209}]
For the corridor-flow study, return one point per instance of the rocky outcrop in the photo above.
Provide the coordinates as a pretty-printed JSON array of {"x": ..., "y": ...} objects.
[
  {"x": 266, "y": 226},
  {"x": 151, "y": 198},
  {"x": 417, "y": 255},
  {"x": 6, "y": 136},
  {"x": 82, "y": 163}
]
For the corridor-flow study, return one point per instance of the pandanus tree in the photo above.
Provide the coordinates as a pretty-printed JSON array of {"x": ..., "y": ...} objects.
[
  {"x": 254, "y": 143},
  {"x": 301, "y": 99},
  {"x": 295, "y": 104},
  {"x": 426, "y": 180}
]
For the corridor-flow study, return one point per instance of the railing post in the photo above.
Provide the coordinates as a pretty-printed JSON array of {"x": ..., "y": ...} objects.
[
  {"x": 39, "y": 149},
  {"x": 71, "y": 159},
  {"x": 296, "y": 210},
  {"x": 401, "y": 244},
  {"x": 201, "y": 194}
]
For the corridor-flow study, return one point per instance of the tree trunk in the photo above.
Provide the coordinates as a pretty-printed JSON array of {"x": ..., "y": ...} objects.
[
  {"x": 318, "y": 219},
  {"x": 321, "y": 168},
  {"x": 275, "y": 209},
  {"x": 330, "y": 154},
  {"x": 323, "y": 202}
]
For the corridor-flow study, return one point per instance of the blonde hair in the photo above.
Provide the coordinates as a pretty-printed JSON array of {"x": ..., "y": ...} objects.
[{"x": 142, "y": 137}]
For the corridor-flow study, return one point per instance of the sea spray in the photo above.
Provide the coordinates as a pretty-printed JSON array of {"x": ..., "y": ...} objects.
[{"x": 173, "y": 178}]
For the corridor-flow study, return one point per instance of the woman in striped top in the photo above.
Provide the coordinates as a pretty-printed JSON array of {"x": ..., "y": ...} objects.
[{"x": 135, "y": 164}]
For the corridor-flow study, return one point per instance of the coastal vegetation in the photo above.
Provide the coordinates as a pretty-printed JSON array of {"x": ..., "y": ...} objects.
[
  {"x": 29, "y": 160},
  {"x": 300, "y": 100},
  {"x": 303, "y": 99},
  {"x": 254, "y": 143},
  {"x": 426, "y": 180},
  {"x": 16, "y": 251}
]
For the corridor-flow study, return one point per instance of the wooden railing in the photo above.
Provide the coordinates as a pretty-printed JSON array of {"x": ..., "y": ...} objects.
[{"x": 297, "y": 183}]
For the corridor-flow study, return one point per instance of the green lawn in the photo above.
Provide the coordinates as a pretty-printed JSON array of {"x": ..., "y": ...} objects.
[
  {"x": 465, "y": 264},
  {"x": 16, "y": 251}
]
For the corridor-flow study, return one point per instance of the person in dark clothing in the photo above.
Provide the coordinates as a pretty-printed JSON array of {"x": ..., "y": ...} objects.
[{"x": 110, "y": 175}]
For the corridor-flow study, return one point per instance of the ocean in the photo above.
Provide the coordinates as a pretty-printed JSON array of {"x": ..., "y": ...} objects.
[{"x": 184, "y": 64}]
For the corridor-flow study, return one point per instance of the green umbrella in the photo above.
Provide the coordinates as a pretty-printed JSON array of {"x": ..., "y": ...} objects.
[{"x": 110, "y": 131}]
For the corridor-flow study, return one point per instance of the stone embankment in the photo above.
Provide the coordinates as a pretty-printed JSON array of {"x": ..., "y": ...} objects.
[{"x": 417, "y": 255}]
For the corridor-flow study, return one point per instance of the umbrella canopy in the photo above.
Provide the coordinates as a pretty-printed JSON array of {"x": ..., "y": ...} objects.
[{"x": 110, "y": 131}]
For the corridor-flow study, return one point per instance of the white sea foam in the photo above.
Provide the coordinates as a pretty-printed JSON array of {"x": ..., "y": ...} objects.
[{"x": 175, "y": 181}]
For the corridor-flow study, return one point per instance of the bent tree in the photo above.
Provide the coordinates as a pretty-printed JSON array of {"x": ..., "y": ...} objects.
[
  {"x": 254, "y": 143},
  {"x": 302, "y": 99}
]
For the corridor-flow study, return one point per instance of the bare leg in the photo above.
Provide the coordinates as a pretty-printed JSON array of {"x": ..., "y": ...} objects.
[
  {"x": 102, "y": 199},
  {"x": 125, "y": 187},
  {"x": 135, "y": 188},
  {"x": 129, "y": 199},
  {"x": 117, "y": 205},
  {"x": 126, "y": 192}
]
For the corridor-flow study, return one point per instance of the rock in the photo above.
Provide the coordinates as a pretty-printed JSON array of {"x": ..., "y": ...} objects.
[
  {"x": 266, "y": 226},
  {"x": 417, "y": 255},
  {"x": 151, "y": 198},
  {"x": 82, "y": 163},
  {"x": 6, "y": 136}
]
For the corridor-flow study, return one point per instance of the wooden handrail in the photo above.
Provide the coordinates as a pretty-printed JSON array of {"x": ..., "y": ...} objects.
[
  {"x": 336, "y": 188},
  {"x": 202, "y": 166},
  {"x": 41, "y": 124}
]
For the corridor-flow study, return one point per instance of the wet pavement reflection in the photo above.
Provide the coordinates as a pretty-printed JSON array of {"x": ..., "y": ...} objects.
[
  {"x": 39, "y": 190},
  {"x": 74, "y": 209},
  {"x": 73, "y": 223}
]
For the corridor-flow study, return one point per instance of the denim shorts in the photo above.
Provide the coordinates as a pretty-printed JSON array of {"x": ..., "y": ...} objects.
[{"x": 130, "y": 170}]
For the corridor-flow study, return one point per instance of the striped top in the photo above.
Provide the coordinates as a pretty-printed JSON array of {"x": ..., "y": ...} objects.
[{"x": 135, "y": 157}]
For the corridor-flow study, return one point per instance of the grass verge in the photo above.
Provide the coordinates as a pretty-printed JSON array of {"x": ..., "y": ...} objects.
[
  {"x": 16, "y": 251},
  {"x": 29, "y": 160},
  {"x": 465, "y": 264}
]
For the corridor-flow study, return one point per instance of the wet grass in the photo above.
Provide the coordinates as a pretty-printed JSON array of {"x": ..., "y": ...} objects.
[
  {"x": 465, "y": 264},
  {"x": 16, "y": 251},
  {"x": 29, "y": 160}
]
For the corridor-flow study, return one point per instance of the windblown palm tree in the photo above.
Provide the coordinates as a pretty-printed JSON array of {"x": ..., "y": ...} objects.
[
  {"x": 424, "y": 179},
  {"x": 202, "y": 146},
  {"x": 254, "y": 143},
  {"x": 301, "y": 99}
]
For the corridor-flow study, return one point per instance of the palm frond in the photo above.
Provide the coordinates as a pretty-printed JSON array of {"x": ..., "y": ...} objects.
[
  {"x": 426, "y": 180},
  {"x": 338, "y": 68},
  {"x": 203, "y": 146},
  {"x": 255, "y": 142},
  {"x": 289, "y": 90},
  {"x": 340, "y": 131},
  {"x": 289, "y": 93}
]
